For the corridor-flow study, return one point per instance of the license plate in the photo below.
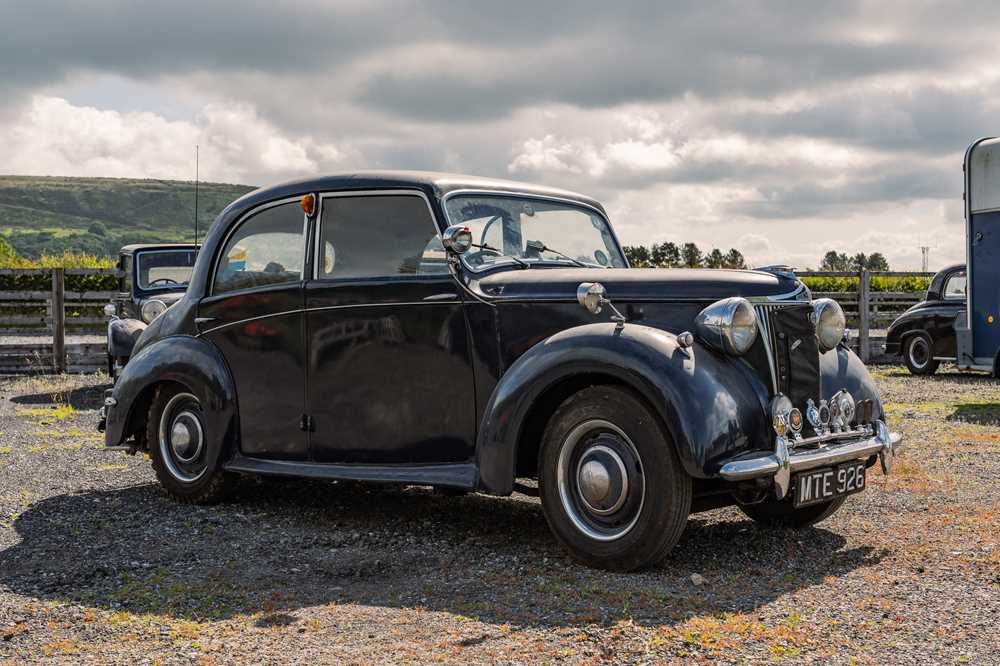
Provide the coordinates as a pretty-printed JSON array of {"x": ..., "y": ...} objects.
[{"x": 827, "y": 483}]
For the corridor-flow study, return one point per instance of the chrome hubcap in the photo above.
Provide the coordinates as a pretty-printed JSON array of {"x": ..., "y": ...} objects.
[
  {"x": 919, "y": 352},
  {"x": 185, "y": 437},
  {"x": 600, "y": 479},
  {"x": 182, "y": 439}
]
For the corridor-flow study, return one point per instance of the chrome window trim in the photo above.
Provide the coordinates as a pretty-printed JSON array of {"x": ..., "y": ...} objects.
[
  {"x": 393, "y": 192},
  {"x": 239, "y": 223},
  {"x": 526, "y": 195}
]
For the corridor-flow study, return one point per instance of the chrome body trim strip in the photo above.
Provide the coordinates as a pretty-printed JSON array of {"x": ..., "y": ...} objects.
[{"x": 330, "y": 307}]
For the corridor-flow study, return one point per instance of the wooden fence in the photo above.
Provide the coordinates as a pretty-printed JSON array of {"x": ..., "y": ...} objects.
[
  {"x": 29, "y": 318},
  {"x": 870, "y": 311}
]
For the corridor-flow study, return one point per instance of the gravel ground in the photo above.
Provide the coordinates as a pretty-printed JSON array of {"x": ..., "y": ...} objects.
[{"x": 98, "y": 566}]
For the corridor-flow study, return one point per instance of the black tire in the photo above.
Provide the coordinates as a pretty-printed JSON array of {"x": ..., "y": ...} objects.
[
  {"x": 918, "y": 354},
  {"x": 773, "y": 513},
  {"x": 646, "y": 493},
  {"x": 194, "y": 475}
]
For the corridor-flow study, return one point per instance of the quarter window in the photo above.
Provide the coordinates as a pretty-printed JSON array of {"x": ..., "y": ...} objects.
[
  {"x": 379, "y": 236},
  {"x": 955, "y": 286},
  {"x": 267, "y": 248}
]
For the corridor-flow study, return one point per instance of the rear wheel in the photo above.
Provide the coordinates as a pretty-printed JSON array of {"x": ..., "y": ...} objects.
[
  {"x": 919, "y": 355},
  {"x": 185, "y": 454},
  {"x": 772, "y": 512},
  {"x": 612, "y": 489}
]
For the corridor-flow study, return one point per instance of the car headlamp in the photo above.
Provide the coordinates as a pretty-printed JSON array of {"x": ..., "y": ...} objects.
[
  {"x": 830, "y": 323},
  {"x": 729, "y": 325},
  {"x": 152, "y": 309}
]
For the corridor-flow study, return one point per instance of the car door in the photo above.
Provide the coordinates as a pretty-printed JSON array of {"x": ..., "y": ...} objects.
[
  {"x": 254, "y": 316},
  {"x": 389, "y": 374},
  {"x": 952, "y": 303}
]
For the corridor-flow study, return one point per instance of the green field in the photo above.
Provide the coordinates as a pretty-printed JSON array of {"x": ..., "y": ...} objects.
[{"x": 48, "y": 216}]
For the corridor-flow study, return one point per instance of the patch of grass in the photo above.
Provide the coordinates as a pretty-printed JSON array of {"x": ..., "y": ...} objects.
[
  {"x": 47, "y": 415},
  {"x": 984, "y": 413}
]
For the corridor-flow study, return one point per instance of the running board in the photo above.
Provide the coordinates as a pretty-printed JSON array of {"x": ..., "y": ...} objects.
[{"x": 451, "y": 475}]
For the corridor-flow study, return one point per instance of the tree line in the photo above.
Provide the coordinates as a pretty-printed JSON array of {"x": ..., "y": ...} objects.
[{"x": 689, "y": 255}]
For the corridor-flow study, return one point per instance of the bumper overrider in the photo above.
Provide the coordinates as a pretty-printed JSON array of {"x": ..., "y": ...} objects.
[{"x": 794, "y": 453}]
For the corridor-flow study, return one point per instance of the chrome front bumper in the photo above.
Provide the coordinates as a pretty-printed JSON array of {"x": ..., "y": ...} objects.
[{"x": 791, "y": 456}]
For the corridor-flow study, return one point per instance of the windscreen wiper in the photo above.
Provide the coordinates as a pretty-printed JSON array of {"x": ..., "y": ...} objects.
[
  {"x": 484, "y": 246},
  {"x": 540, "y": 247}
]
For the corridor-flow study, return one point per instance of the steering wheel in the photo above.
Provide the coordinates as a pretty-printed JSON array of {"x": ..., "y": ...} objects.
[
  {"x": 164, "y": 280},
  {"x": 479, "y": 258}
]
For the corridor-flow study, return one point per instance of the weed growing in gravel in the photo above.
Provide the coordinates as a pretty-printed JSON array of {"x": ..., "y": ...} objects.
[{"x": 47, "y": 415}]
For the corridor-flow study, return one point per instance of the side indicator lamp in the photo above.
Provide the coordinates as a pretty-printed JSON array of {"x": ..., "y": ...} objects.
[{"x": 308, "y": 204}]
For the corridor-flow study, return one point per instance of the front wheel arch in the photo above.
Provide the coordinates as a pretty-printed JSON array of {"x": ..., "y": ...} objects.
[{"x": 537, "y": 419}]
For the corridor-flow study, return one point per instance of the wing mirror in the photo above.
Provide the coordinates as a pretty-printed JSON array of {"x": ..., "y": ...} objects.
[
  {"x": 592, "y": 296},
  {"x": 457, "y": 238}
]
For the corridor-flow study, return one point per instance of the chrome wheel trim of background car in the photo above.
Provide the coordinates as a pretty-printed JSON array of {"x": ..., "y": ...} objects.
[
  {"x": 919, "y": 352},
  {"x": 182, "y": 438},
  {"x": 600, "y": 478}
]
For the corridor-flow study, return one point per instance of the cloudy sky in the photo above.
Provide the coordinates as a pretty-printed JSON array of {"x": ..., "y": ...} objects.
[{"x": 781, "y": 128}]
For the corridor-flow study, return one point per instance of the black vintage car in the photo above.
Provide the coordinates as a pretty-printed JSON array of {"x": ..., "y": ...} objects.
[
  {"x": 474, "y": 334},
  {"x": 924, "y": 335},
  {"x": 151, "y": 278}
]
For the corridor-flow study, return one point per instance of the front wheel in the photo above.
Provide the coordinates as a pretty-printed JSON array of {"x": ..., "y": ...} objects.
[
  {"x": 777, "y": 513},
  {"x": 186, "y": 456},
  {"x": 613, "y": 490},
  {"x": 919, "y": 356}
]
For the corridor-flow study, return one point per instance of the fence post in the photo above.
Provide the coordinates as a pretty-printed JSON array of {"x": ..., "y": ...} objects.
[
  {"x": 59, "y": 319},
  {"x": 864, "y": 314}
]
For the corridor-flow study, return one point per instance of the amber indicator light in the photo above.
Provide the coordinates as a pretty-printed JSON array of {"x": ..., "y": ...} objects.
[{"x": 309, "y": 204}]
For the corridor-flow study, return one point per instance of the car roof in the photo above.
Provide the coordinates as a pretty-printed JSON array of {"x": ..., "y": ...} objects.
[
  {"x": 433, "y": 184},
  {"x": 135, "y": 247}
]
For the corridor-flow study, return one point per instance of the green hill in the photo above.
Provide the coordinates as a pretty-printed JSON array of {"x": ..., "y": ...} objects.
[{"x": 98, "y": 215}]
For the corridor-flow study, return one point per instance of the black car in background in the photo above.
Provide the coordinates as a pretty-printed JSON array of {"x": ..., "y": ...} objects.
[
  {"x": 474, "y": 334},
  {"x": 151, "y": 278},
  {"x": 924, "y": 335}
]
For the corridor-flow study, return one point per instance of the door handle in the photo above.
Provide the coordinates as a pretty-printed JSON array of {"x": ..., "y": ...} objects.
[{"x": 204, "y": 320}]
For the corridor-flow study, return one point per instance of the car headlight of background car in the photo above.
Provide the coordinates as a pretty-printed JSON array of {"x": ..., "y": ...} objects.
[
  {"x": 729, "y": 325},
  {"x": 152, "y": 309},
  {"x": 830, "y": 323}
]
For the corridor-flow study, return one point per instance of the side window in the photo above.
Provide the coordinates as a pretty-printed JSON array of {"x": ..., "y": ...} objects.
[
  {"x": 267, "y": 248},
  {"x": 379, "y": 236},
  {"x": 955, "y": 286}
]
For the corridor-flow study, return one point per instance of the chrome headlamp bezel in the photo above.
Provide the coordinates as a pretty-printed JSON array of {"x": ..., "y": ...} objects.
[
  {"x": 152, "y": 309},
  {"x": 729, "y": 325},
  {"x": 830, "y": 323}
]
